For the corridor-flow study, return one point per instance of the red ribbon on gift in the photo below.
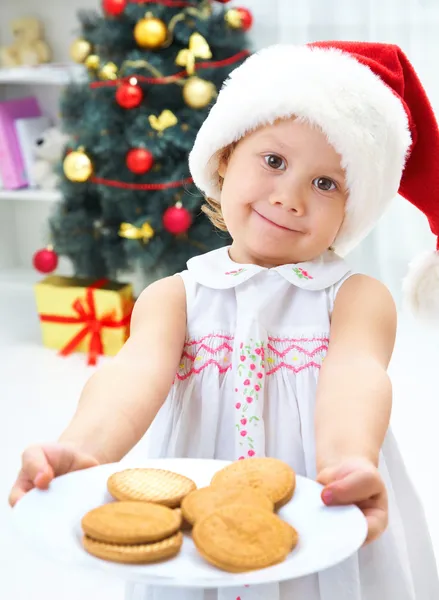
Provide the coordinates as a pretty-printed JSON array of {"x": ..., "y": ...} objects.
[{"x": 93, "y": 326}]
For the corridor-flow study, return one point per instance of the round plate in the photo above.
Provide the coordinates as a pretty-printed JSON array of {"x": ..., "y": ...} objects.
[{"x": 51, "y": 523}]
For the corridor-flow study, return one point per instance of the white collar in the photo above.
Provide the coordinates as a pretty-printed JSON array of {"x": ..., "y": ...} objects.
[{"x": 218, "y": 271}]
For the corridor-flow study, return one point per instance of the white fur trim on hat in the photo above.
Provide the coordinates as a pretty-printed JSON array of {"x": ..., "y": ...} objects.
[{"x": 362, "y": 118}]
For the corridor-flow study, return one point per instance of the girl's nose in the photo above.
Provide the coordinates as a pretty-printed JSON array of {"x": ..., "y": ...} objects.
[{"x": 288, "y": 199}]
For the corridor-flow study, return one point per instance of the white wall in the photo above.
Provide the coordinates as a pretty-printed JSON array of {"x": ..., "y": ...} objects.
[
  {"x": 23, "y": 227},
  {"x": 59, "y": 17}
]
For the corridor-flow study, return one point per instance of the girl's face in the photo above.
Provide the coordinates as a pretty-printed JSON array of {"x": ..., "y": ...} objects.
[{"x": 283, "y": 196}]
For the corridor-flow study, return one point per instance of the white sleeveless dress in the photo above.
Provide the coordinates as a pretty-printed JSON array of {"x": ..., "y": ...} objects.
[{"x": 246, "y": 386}]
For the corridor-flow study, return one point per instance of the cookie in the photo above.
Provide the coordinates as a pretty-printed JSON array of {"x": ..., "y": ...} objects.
[
  {"x": 135, "y": 554},
  {"x": 185, "y": 525},
  {"x": 271, "y": 476},
  {"x": 238, "y": 539},
  {"x": 204, "y": 501},
  {"x": 291, "y": 533},
  {"x": 150, "y": 485},
  {"x": 131, "y": 523}
]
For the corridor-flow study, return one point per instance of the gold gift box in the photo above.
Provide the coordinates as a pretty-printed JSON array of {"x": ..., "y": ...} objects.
[{"x": 84, "y": 315}]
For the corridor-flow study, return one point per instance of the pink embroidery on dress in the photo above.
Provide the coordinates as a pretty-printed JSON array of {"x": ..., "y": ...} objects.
[
  {"x": 192, "y": 357},
  {"x": 296, "y": 370},
  {"x": 203, "y": 355},
  {"x": 308, "y": 353},
  {"x": 301, "y": 273},
  {"x": 256, "y": 362},
  {"x": 218, "y": 336},
  {"x": 235, "y": 273},
  {"x": 293, "y": 355},
  {"x": 194, "y": 371},
  {"x": 251, "y": 371},
  {"x": 296, "y": 340}
]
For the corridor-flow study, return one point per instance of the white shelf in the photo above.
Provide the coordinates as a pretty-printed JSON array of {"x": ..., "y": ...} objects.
[
  {"x": 49, "y": 74},
  {"x": 30, "y": 195}
]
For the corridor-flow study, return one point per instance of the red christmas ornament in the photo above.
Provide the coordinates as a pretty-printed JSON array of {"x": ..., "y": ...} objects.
[
  {"x": 246, "y": 18},
  {"x": 129, "y": 94},
  {"x": 139, "y": 160},
  {"x": 45, "y": 261},
  {"x": 177, "y": 219},
  {"x": 239, "y": 18},
  {"x": 114, "y": 7}
]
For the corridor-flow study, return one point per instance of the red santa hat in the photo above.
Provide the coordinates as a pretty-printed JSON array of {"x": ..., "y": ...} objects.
[{"x": 369, "y": 102}]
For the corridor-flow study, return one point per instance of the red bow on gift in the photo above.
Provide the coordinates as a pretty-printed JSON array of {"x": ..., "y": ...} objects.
[{"x": 93, "y": 326}]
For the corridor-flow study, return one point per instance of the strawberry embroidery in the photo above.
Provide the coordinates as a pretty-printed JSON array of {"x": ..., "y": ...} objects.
[
  {"x": 302, "y": 274},
  {"x": 251, "y": 369},
  {"x": 236, "y": 273}
]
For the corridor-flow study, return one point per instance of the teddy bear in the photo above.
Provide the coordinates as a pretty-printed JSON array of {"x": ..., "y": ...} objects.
[
  {"x": 48, "y": 151},
  {"x": 29, "y": 46}
]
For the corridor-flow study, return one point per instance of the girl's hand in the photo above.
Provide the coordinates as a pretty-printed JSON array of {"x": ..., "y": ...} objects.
[
  {"x": 357, "y": 481},
  {"x": 40, "y": 464}
]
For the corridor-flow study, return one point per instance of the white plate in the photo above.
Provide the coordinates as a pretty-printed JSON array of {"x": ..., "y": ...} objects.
[{"x": 50, "y": 522}]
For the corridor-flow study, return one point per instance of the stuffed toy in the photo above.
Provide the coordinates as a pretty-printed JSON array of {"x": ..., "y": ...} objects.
[
  {"x": 48, "y": 152},
  {"x": 29, "y": 46}
]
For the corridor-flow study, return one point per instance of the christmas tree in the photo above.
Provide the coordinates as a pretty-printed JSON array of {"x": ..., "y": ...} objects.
[{"x": 154, "y": 69}]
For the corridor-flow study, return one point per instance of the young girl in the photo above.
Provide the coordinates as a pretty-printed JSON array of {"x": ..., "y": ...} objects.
[{"x": 279, "y": 349}]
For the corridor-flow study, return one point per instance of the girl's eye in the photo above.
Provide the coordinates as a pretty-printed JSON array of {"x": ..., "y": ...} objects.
[
  {"x": 324, "y": 184},
  {"x": 275, "y": 162}
]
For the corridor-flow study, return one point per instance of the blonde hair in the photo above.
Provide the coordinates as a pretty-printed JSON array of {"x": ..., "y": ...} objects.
[{"x": 212, "y": 208}]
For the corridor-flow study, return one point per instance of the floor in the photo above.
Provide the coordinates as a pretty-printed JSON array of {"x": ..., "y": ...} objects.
[{"x": 38, "y": 395}]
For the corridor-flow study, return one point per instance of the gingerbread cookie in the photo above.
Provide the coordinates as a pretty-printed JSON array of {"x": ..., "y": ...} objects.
[{"x": 150, "y": 485}]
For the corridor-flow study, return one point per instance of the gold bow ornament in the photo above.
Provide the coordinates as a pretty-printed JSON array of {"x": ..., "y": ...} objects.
[
  {"x": 130, "y": 232},
  {"x": 163, "y": 121},
  {"x": 198, "y": 48}
]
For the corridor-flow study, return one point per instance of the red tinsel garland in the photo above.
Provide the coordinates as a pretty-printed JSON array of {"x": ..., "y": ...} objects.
[
  {"x": 141, "y": 186},
  {"x": 170, "y": 78},
  {"x": 168, "y": 3}
]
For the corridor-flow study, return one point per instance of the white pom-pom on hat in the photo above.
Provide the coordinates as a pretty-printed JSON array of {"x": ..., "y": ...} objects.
[{"x": 421, "y": 287}]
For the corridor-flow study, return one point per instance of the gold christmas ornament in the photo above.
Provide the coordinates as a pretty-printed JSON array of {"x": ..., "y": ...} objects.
[
  {"x": 198, "y": 48},
  {"x": 162, "y": 122},
  {"x": 108, "y": 72},
  {"x": 131, "y": 232},
  {"x": 80, "y": 49},
  {"x": 239, "y": 18},
  {"x": 78, "y": 166},
  {"x": 233, "y": 18},
  {"x": 92, "y": 62},
  {"x": 151, "y": 32},
  {"x": 198, "y": 93}
]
